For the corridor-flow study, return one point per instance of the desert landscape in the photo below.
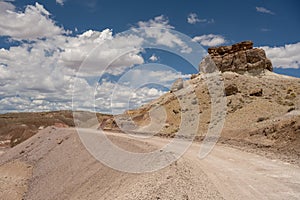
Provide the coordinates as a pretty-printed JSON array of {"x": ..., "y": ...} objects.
[
  {"x": 149, "y": 100},
  {"x": 257, "y": 155}
]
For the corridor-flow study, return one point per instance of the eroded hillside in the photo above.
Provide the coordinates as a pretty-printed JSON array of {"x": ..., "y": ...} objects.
[{"x": 262, "y": 107}]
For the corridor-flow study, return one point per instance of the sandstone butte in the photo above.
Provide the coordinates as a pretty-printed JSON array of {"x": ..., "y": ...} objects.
[{"x": 239, "y": 58}]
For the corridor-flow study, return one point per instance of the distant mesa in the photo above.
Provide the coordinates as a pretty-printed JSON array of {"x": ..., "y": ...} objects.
[{"x": 240, "y": 58}]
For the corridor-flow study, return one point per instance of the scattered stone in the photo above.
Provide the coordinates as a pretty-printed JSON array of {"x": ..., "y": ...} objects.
[
  {"x": 185, "y": 197},
  {"x": 260, "y": 119},
  {"x": 256, "y": 92},
  {"x": 167, "y": 125},
  {"x": 194, "y": 76},
  {"x": 291, "y": 109},
  {"x": 175, "y": 111},
  {"x": 194, "y": 102},
  {"x": 231, "y": 90},
  {"x": 59, "y": 141}
]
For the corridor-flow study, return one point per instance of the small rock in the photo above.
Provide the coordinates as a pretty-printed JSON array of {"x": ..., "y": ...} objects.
[
  {"x": 175, "y": 111},
  {"x": 256, "y": 92},
  {"x": 59, "y": 141},
  {"x": 291, "y": 109},
  {"x": 260, "y": 119},
  {"x": 231, "y": 90},
  {"x": 185, "y": 197},
  {"x": 194, "y": 102},
  {"x": 194, "y": 76}
]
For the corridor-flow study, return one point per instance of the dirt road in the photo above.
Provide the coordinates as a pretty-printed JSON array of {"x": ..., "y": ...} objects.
[
  {"x": 62, "y": 168},
  {"x": 242, "y": 175}
]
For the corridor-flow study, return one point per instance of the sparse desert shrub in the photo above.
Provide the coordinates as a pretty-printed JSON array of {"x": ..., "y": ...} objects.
[
  {"x": 174, "y": 130},
  {"x": 291, "y": 96},
  {"x": 284, "y": 102},
  {"x": 289, "y": 91},
  {"x": 290, "y": 103}
]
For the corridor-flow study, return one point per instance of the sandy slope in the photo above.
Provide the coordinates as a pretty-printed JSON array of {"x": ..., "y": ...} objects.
[
  {"x": 13, "y": 179},
  {"x": 63, "y": 169}
]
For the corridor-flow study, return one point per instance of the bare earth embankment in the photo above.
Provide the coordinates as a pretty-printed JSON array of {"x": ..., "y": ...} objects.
[{"x": 55, "y": 165}]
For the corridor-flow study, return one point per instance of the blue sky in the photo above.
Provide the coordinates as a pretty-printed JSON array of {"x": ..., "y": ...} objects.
[{"x": 43, "y": 43}]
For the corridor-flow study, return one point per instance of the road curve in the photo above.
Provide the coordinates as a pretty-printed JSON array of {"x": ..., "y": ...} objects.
[
  {"x": 238, "y": 174},
  {"x": 60, "y": 167}
]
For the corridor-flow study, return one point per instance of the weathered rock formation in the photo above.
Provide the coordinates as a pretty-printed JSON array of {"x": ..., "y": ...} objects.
[
  {"x": 177, "y": 85},
  {"x": 240, "y": 58}
]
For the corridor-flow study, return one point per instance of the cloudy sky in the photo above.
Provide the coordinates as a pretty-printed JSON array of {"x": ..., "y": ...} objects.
[{"x": 53, "y": 51}]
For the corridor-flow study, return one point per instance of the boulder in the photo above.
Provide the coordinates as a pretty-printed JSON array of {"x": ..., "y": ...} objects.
[{"x": 177, "y": 85}]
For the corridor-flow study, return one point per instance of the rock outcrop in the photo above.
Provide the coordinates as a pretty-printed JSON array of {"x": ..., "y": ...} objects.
[
  {"x": 177, "y": 85},
  {"x": 240, "y": 58}
]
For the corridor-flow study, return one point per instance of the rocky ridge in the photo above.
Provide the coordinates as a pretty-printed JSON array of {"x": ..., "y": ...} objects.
[{"x": 240, "y": 58}]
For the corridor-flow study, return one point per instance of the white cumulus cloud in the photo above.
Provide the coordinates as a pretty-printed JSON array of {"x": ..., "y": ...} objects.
[
  {"x": 210, "y": 40},
  {"x": 32, "y": 24},
  {"x": 159, "y": 29},
  {"x": 264, "y": 10},
  {"x": 153, "y": 58},
  {"x": 132, "y": 91},
  {"x": 158, "y": 22},
  {"x": 286, "y": 56},
  {"x": 38, "y": 73},
  {"x": 47, "y": 67},
  {"x": 193, "y": 19},
  {"x": 60, "y": 2}
]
